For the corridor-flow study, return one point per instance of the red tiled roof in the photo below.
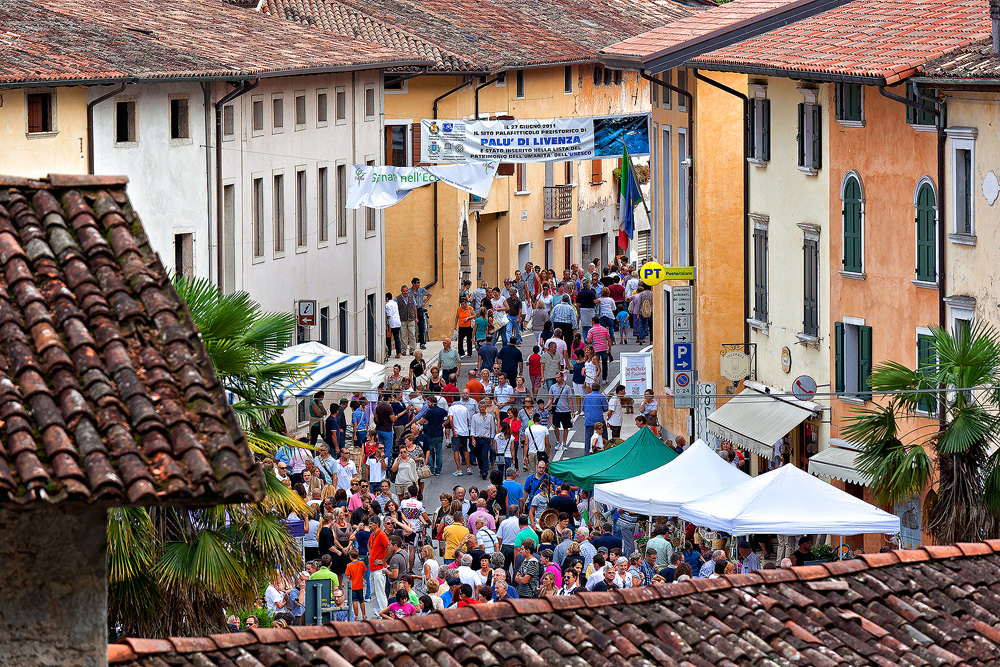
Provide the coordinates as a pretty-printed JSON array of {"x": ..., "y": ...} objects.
[
  {"x": 490, "y": 35},
  {"x": 106, "y": 392},
  {"x": 935, "y": 606},
  {"x": 880, "y": 40},
  {"x": 975, "y": 61},
  {"x": 698, "y": 25},
  {"x": 88, "y": 40}
]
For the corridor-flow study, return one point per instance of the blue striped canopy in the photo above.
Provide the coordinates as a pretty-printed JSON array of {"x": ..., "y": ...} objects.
[{"x": 329, "y": 365}]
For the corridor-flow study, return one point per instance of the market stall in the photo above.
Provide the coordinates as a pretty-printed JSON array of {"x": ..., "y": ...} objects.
[
  {"x": 328, "y": 367},
  {"x": 639, "y": 454}
]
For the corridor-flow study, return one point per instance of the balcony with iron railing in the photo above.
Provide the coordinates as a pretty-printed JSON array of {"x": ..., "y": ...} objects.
[{"x": 558, "y": 205}]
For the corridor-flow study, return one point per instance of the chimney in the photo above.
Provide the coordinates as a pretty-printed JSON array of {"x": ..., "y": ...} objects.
[{"x": 995, "y": 20}]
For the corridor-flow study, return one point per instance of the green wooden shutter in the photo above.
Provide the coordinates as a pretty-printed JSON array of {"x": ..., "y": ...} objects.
[
  {"x": 857, "y": 112},
  {"x": 911, "y": 112},
  {"x": 817, "y": 136},
  {"x": 864, "y": 360},
  {"x": 926, "y": 234},
  {"x": 838, "y": 356},
  {"x": 801, "y": 136},
  {"x": 765, "y": 124},
  {"x": 752, "y": 129},
  {"x": 926, "y": 361},
  {"x": 838, "y": 101},
  {"x": 852, "y": 226}
]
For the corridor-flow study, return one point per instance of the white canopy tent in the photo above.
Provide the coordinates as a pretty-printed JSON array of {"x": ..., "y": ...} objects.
[
  {"x": 697, "y": 472},
  {"x": 366, "y": 378},
  {"x": 329, "y": 367},
  {"x": 787, "y": 501}
]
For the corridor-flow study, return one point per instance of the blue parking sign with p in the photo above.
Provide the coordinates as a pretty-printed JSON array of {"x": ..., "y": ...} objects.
[{"x": 683, "y": 357}]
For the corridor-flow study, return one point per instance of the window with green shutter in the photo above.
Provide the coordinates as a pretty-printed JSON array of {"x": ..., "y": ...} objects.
[
  {"x": 926, "y": 222},
  {"x": 916, "y": 116},
  {"x": 864, "y": 361},
  {"x": 852, "y": 226},
  {"x": 838, "y": 356},
  {"x": 926, "y": 363},
  {"x": 760, "y": 273},
  {"x": 852, "y": 359},
  {"x": 848, "y": 105},
  {"x": 810, "y": 288}
]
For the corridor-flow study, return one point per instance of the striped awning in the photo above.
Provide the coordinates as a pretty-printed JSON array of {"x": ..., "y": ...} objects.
[
  {"x": 329, "y": 365},
  {"x": 837, "y": 463},
  {"x": 754, "y": 420}
]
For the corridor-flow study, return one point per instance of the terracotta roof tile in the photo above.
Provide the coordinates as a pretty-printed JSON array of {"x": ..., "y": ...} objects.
[
  {"x": 905, "y": 610},
  {"x": 84, "y": 40},
  {"x": 885, "y": 40},
  {"x": 479, "y": 35},
  {"x": 82, "y": 420}
]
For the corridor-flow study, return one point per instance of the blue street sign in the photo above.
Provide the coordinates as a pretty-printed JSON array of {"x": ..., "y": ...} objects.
[{"x": 682, "y": 357}]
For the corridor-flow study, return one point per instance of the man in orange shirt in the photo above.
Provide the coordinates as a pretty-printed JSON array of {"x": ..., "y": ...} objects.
[
  {"x": 378, "y": 551},
  {"x": 474, "y": 386},
  {"x": 464, "y": 319}
]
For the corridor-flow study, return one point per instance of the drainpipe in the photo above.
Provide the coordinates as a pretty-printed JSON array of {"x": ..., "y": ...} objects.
[
  {"x": 417, "y": 158},
  {"x": 480, "y": 87},
  {"x": 90, "y": 124},
  {"x": 747, "y": 129},
  {"x": 241, "y": 89},
  {"x": 206, "y": 93}
]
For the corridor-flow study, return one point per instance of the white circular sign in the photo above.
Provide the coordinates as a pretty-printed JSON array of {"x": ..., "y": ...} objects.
[
  {"x": 804, "y": 388},
  {"x": 735, "y": 365}
]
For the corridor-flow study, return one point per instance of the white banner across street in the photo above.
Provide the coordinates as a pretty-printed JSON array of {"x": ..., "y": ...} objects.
[
  {"x": 533, "y": 140},
  {"x": 383, "y": 186}
]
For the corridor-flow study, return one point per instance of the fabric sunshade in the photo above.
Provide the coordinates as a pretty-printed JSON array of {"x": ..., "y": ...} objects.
[
  {"x": 697, "y": 472},
  {"x": 788, "y": 501},
  {"x": 837, "y": 463},
  {"x": 754, "y": 421},
  {"x": 329, "y": 365},
  {"x": 640, "y": 453}
]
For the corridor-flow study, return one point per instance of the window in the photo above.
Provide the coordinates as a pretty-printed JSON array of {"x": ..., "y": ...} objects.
[
  {"x": 277, "y": 113},
  {"x": 618, "y": 77},
  {"x": 598, "y": 75},
  {"x": 184, "y": 255},
  {"x": 321, "y": 107},
  {"x": 301, "y": 210},
  {"x": 926, "y": 365},
  {"x": 341, "y": 105},
  {"x": 568, "y": 79},
  {"x": 654, "y": 92},
  {"x": 257, "y": 112},
  {"x": 341, "y": 200},
  {"x": 853, "y": 261},
  {"x": 916, "y": 116},
  {"x": 371, "y": 326},
  {"x": 301, "y": 411},
  {"x": 760, "y": 125},
  {"x": 852, "y": 358},
  {"x": 568, "y": 172},
  {"x": 40, "y": 112},
  {"x": 682, "y": 83},
  {"x": 229, "y": 238},
  {"x": 848, "y": 105},
  {"x": 369, "y": 103},
  {"x": 125, "y": 121},
  {"x": 810, "y": 136},
  {"x": 324, "y": 325},
  {"x": 667, "y": 335},
  {"x": 548, "y": 253},
  {"x": 323, "y": 204},
  {"x": 666, "y": 94},
  {"x": 519, "y": 80},
  {"x": 394, "y": 84},
  {"x": 370, "y": 213},
  {"x": 228, "y": 121},
  {"x": 342, "y": 317},
  {"x": 395, "y": 146},
  {"x": 666, "y": 199},
  {"x": 300, "y": 110},
  {"x": 501, "y": 78},
  {"x": 521, "y": 177},
  {"x": 596, "y": 172},
  {"x": 682, "y": 198},
  {"x": 609, "y": 77},
  {"x": 963, "y": 190},
  {"x": 567, "y": 252},
  {"x": 926, "y": 221},
  {"x": 810, "y": 284},
  {"x": 279, "y": 214},
  {"x": 760, "y": 270},
  {"x": 258, "y": 217},
  {"x": 180, "y": 118}
]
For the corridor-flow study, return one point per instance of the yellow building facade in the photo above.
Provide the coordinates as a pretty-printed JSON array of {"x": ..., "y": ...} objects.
[{"x": 43, "y": 131}]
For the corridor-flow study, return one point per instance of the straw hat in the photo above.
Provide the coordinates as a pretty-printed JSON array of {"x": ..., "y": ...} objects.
[{"x": 549, "y": 518}]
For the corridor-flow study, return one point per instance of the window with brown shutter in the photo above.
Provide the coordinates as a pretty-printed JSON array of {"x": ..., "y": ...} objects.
[
  {"x": 39, "y": 112},
  {"x": 596, "y": 171},
  {"x": 415, "y": 144}
]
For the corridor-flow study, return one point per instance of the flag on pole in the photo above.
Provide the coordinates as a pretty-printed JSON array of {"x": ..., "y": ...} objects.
[{"x": 629, "y": 199}]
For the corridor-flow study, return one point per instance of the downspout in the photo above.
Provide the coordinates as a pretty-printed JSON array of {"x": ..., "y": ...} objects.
[
  {"x": 938, "y": 110},
  {"x": 90, "y": 124},
  {"x": 480, "y": 87},
  {"x": 242, "y": 88},
  {"x": 354, "y": 216},
  {"x": 746, "y": 199},
  {"x": 417, "y": 159},
  {"x": 206, "y": 91}
]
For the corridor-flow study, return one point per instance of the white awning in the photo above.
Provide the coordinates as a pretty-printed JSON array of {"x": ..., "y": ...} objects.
[
  {"x": 754, "y": 419},
  {"x": 837, "y": 463}
]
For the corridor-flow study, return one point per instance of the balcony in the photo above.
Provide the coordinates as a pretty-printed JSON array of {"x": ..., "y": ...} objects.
[
  {"x": 477, "y": 203},
  {"x": 558, "y": 205}
]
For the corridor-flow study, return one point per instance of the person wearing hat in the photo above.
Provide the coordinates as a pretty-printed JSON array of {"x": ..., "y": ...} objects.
[
  {"x": 748, "y": 561},
  {"x": 804, "y": 552}
]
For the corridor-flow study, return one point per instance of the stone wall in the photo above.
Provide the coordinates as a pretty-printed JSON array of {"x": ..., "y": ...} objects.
[{"x": 54, "y": 582}]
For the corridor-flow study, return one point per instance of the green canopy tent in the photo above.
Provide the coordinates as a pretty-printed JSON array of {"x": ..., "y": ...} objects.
[{"x": 640, "y": 453}]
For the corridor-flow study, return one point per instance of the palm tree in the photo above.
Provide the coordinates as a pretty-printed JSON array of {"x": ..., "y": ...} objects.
[
  {"x": 174, "y": 572},
  {"x": 959, "y": 379}
]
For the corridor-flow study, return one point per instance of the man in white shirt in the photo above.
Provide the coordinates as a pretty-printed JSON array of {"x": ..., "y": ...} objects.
[
  {"x": 504, "y": 393},
  {"x": 486, "y": 538},
  {"x": 394, "y": 324},
  {"x": 615, "y": 411},
  {"x": 345, "y": 470},
  {"x": 467, "y": 574},
  {"x": 536, "y": 440},
  {"x": 507, "y": 532},
  {"x": 458, "y": 422}
]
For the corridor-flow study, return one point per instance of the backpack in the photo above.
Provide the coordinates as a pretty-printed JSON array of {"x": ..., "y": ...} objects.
[{"x": 646, "y": 309}]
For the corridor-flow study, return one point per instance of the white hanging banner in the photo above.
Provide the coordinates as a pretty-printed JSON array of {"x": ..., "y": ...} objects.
[
  {"x": 383, "y": 186},
  {"x": 533, "y": 140}
]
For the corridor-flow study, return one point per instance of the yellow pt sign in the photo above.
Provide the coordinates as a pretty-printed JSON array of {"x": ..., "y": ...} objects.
[{"x": 654, "y": 273}]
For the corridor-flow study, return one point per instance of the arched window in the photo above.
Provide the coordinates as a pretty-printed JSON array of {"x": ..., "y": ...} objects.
[
  {"x": 853, "y": 232},
  {"x": 925, "y": 203}
]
